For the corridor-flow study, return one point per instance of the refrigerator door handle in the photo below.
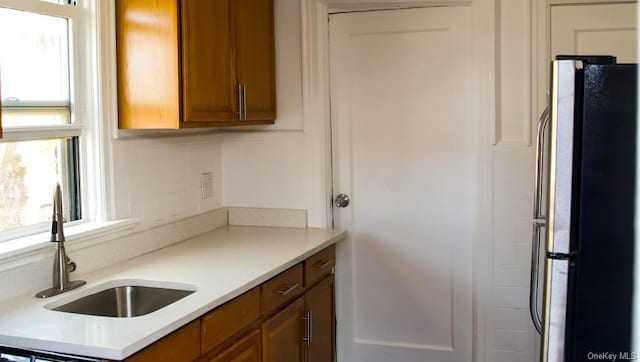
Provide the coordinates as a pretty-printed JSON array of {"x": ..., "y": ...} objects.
[
  {"x": 539, "y": 221},
  {"x": 539, "y": 170}
]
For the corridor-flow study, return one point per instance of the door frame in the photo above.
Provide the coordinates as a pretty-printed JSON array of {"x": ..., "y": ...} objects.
[{"x": 316, "y": 110}]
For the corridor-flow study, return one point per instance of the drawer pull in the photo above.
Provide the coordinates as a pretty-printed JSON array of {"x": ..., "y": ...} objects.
[
  {"x": 288, "y": 289},
  {"x": 322, "y": 265}
]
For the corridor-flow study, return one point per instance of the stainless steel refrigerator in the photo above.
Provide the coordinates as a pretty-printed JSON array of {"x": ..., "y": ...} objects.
[{"x": 583, "y": 227}]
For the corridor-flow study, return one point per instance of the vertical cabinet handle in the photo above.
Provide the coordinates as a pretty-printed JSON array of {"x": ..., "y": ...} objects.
[
  {"x": 240, "y": 102},
  {"x": 307, "y": 329},
  {"x": 244, "y": 99},
  {"x": 310, "y": 327}
]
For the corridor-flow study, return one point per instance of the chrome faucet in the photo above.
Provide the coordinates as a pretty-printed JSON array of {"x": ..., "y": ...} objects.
[{"x": 62, "y": 265}]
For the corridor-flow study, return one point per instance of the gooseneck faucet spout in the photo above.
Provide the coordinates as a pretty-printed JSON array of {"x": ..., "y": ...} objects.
[
  {"x": 57, "y": 219},
  {"x": 62, "y": 265}
]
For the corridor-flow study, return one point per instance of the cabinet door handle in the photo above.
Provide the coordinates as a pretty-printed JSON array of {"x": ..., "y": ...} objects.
[
  {"x": 307, "y": 329},
  {"x": 288, "y": 289},
  {"x": 322, "y": 265},
  {"x": 240, "y": 102},
  {"x": 244, "y": 98},
  {"x": 310, "y": 327}
]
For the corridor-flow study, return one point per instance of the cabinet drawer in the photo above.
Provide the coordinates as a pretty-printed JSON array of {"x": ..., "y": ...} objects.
[
  {"x": 281, "y": 289},
  {"x": 229, "y": 319},
  {"x": 319, "y": 265},
  {"x": 179, "y": 346},
  {"x": 245, "y": 350}
]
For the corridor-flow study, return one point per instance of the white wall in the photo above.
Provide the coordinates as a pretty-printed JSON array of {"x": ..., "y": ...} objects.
[{"x": 273, "y": 169}]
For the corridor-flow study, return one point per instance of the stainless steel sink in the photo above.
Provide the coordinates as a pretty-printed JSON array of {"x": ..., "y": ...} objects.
[{"x": 124, "y": 301}]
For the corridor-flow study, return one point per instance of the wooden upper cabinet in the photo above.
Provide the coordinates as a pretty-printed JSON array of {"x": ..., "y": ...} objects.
[
  {"x": 195, "y": 63},
  {"x": 255, "y": 47},
  {"x": 147, "y": 61},
  {"x": 208, "y": 72}
]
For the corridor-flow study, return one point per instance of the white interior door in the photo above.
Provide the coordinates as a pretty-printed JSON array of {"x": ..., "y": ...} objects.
[
  {"x": 601, "y": 29},
  {"x": 402, "y": 150}
]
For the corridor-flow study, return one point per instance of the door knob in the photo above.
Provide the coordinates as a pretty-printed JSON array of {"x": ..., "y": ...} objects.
[{"x": 342, "y": 200}]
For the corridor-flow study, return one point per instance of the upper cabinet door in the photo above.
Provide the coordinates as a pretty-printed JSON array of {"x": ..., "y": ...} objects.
[
  {"x": 148, "y": 64},
  {"x": 209, "y": 91},
  {"x": 255, "y": 49}
]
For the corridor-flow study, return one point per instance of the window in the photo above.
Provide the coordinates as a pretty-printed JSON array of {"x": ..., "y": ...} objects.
[{"x": 47, "y": 98}]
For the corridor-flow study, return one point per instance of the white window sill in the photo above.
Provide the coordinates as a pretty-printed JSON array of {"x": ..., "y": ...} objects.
[{"x": 17, "y": 251}]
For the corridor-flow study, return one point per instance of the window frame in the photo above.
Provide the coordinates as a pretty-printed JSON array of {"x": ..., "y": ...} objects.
[{"x": 85, "y": 101}]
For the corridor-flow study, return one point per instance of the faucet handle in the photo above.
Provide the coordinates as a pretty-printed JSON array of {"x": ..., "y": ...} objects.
[{"x": 71, "y": 265}]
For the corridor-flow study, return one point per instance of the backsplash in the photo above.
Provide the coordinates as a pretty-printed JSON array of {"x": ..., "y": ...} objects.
[
  {"x": 268, "y": 217},
  {"x": 33, "y": 275},
  {"x": 158, "y": 180}
]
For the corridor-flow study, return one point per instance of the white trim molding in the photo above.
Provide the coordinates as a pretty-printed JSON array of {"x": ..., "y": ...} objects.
[
  {"x": 107, "y": 107},
  {"x": 347, "y": 6},
  {"x": 577, "y": 2},
  {"x": 484, "y": 44},
  {"x": 316, "y": 107}
]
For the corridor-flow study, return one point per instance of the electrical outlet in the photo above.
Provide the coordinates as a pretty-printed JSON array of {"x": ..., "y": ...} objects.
[{"x": 206, "y": 185}]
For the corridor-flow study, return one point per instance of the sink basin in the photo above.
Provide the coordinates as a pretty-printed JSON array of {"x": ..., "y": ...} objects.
[{"x": 124, "y": 301}]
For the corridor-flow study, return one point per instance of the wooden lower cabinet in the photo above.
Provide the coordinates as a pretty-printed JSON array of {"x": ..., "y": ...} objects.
[
  {"x": 305, "y": 330},
  {"x": 248, "y": 349},
  {"x": 282, "y": 335},
  {"x": 320, "y": 306},
  {"x": 182, "y": 345},
  {"x": 228, "y": 320}
]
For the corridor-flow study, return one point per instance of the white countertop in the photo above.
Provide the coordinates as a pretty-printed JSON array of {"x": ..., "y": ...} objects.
[{"x": 220, "y": 265}]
